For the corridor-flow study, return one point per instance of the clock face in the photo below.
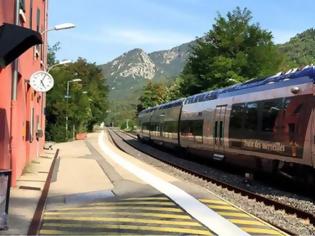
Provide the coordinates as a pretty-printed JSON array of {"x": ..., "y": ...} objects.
[{"x": 41, "y": 81}]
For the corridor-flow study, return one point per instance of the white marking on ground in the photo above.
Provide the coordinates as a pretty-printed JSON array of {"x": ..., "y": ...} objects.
[{"x": 191, "y": 205}]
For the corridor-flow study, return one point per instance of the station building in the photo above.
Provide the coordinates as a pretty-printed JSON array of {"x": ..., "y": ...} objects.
[{"x": 22, "y": 116}]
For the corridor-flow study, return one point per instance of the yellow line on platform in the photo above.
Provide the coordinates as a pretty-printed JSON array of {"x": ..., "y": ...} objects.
[
  {"x": 130, "y": 214},
  {"x": 118, "y": 220},
  {"x": 60, "y": 232},
  {"x": 237, "y": 214},
  {"x": 129, "y": 208},
  {"x": 261, "y": 231},
  {"x": 73, "y": 227},
  {"x": 246, "y": 222},
  {"x": 217, "y": 207},
  {"x": 214, "y": 201},
  {"x": 146, "y": 198},
  {"x": 132, "y": 203}
]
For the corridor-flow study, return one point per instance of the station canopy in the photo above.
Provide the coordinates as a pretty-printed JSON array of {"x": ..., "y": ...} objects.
[{"x": 15, "y": 40}]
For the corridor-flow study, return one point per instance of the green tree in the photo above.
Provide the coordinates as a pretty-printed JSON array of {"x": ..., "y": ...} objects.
[
  {"x": 51, "y": 56},
  {"x": 233, "y": 51},
  {"x": 86, "y": 105},
  {"x": 173, "y": 90},
  {"x": 154, "y": 94}
]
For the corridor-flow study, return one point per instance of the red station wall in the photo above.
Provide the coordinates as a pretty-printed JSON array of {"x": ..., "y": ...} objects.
[{"x": 21, "y": 118}]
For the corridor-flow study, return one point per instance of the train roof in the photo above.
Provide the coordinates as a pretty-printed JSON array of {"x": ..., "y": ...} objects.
[
  {"x": 260, "y": 84},
  {"x": 290, "y": 78},
  {"x": 163, "y": 106}
]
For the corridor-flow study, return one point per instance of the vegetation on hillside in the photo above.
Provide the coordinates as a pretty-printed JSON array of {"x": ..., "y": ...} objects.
[
  {"x": 86, "y": 105},
  {"x": 300, "y": 50}
]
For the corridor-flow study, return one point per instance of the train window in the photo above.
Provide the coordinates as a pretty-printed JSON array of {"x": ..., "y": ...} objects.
[
  {"x": 270, "y": 112},
  {"x": 221, "y": 130},
  {"x": 197, "y": 127},
  {"x": 191, "y": 127},
  {"x": 251, "y": 116},
  {"x": 170, "y": 126},
  {"x": 185, "y": 129},
  {"x": 237, "y": 115}
]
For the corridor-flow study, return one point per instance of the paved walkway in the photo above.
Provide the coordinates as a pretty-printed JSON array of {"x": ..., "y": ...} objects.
[
  {"x": 91, "y": 194},
  {"x": 24, "y": 197},
  {"x": 77, "y": 176}
]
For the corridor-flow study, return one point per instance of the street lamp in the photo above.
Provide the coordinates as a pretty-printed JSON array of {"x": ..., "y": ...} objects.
[
  {"x": 67, "y": 97},
  {"x": 59, "y": 64},
  {"x": 63, "y": 26}
]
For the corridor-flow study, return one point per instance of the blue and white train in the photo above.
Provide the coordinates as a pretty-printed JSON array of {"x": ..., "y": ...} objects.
[{"x": 264, "y": 124}]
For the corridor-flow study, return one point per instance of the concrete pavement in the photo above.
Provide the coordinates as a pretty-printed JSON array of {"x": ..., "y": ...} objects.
[
  {"x": 90, "y": 193},
  {"x": 25, "y": 196},
  {"x": 77, "y": 177}
]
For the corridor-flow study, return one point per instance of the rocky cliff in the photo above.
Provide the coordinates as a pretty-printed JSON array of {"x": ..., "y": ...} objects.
[{"x": 127, "y": 74}]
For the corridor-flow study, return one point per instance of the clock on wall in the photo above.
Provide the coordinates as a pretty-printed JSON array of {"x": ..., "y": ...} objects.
[{"x": 41, "y": 81}]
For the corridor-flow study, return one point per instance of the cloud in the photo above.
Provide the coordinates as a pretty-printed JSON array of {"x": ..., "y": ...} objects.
[{"x": 136, "y": 37}]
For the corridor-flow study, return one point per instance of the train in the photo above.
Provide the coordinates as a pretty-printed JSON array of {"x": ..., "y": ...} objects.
[{"x": 265, "y": 124}]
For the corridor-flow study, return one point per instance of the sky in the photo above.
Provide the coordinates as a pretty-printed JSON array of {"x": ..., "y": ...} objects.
[{"x": 105, "y": 29}]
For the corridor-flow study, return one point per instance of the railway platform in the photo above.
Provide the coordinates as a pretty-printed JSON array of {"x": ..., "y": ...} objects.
[{"x": 96, "y": 189}]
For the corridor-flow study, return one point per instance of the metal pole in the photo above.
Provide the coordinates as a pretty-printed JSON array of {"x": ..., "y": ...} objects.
[
  {"x": 67, "y": 97},
  {"x": 73, "y": 131}
]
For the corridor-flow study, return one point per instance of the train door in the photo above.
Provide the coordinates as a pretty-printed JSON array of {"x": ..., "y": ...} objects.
[
  {"x": 218, "y": 129},
  {"x": 313, "y": 137}
]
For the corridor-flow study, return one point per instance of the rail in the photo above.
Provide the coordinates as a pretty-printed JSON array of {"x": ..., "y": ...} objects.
[{"x": 269, "y": 202}]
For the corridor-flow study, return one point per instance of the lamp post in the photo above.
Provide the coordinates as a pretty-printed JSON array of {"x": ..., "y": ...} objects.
[
  {"x": 67, "y": 97},
  {"x": 63, "y": 26},
  {"x": 64, "y": 62}
]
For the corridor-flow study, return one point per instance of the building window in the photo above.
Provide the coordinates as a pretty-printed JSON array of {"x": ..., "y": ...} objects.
[
  {"x": 22, "y": 10},
  {"x": 31, "y": 14},
  {"x": 38, "y": 20},
  {"x": 31, "y": 132},
  {"x": 22, "y": 5}
]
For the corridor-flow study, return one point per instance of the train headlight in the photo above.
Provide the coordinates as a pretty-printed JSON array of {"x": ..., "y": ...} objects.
[{"x": 295, "y": 90}]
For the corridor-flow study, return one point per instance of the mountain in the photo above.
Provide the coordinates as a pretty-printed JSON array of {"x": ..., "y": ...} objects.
[
  {"x": 127, "y": 74},
  {"x": 170, "y": 63}
]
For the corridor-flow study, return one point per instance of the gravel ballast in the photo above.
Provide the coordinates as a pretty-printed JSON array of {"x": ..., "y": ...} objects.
[{"x": 268, "y": 213}]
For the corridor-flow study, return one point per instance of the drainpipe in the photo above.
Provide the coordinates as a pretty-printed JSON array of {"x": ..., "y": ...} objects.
[
  {"x": 13, "y": 104},
  {"x": 16, "y": 62}
]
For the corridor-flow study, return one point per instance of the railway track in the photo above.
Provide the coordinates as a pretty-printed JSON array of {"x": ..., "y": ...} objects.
[{"x": 251, "y": 195}]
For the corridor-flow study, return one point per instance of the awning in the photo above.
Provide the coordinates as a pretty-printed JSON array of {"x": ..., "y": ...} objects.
[{"x": 14, "y": 40}]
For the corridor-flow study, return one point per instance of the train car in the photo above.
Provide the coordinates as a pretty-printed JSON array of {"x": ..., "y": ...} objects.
[
  {"x": 266, "y": 124},
  {"x": 164, "y": 123}
]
